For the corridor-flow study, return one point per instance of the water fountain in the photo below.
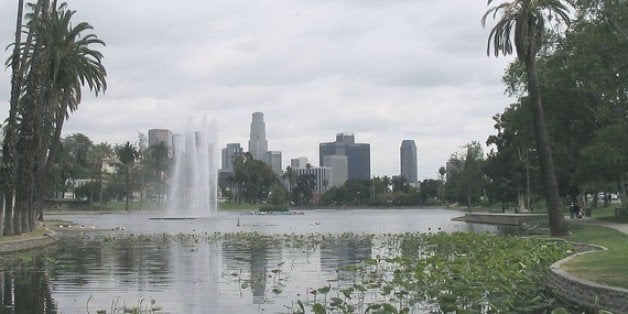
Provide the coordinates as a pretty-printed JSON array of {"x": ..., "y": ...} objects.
[{"x": 194, "y": 187}]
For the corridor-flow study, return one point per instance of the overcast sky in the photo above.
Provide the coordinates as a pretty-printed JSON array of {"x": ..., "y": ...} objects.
[{"x": 385, "y": 70}]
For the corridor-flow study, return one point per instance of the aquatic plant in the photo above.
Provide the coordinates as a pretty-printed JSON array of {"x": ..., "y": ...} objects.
[{"x": 450, "y": 273}]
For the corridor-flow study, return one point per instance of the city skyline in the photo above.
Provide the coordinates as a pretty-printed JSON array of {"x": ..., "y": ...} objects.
[{"x": 313, "y": 68}]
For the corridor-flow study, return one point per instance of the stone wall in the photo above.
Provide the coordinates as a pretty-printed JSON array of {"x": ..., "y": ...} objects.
[
  {"x": 27, "y": 244},
  {"x": 584, "y": 293},
  {"x": 501, "y": 219}
]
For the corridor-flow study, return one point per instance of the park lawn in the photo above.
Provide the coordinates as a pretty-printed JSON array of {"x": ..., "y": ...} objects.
[{"x": 608, "y": 267}]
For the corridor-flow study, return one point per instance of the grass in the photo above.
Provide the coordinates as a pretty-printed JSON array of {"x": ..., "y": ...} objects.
[
  {"x": 608, "y": 267},
  {"x": 38, "y": 232}
]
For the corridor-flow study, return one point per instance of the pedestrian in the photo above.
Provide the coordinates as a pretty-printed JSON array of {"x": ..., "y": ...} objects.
[{"x": 573, "y": 210}]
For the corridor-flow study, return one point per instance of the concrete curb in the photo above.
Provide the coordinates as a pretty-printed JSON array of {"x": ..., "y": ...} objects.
[
  {"x": 28, "y": 244},
  {"x": 584, "y": 293}
]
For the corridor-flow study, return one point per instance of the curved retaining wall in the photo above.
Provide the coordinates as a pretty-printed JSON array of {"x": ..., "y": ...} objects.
[
  {"x": 28, "y": 244},
  {"x": 585, "y": 293}
]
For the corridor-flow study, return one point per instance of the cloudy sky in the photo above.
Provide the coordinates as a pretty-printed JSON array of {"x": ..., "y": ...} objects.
[{"x": 385, "y": 70}]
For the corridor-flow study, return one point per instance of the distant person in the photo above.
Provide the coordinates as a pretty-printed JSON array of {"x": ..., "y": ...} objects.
[{"x": 574, "y": 209}]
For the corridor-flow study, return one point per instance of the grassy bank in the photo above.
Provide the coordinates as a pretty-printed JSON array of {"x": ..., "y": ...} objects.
[{"x": 608, "y": 267}]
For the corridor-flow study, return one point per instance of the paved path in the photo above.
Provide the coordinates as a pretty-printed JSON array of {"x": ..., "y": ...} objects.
[{"x": 623, "y": 228}]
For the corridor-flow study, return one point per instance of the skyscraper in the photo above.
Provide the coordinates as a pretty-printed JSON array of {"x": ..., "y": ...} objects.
[
  {"x": 358, "y": 155},
  {"x": 339, "y": 169},
  {"x": 300, "y": 162},
  {"x": 155, "y": 136},
  {"x": 258, "y": 145},
  {"x": 409, "y": 163},
  {"x": 273, "y": 159},
  {"x": 228, "y": 154}
]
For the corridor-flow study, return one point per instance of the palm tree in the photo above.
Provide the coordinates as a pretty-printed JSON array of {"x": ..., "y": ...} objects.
[
  {"x": 526, "y": 19},
  {"x": 72, "y": 64},
  {"x": 160, "y": 156},
  {"x": 8, "y": 146},
  {"x": 127, "y": 154},
  {"x": 289, "y": 175}
]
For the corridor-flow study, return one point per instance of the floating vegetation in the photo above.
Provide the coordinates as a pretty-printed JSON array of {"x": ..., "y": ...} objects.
[
  {"x": 457, "y": 272},
  {"x": 390, "y": 273}
]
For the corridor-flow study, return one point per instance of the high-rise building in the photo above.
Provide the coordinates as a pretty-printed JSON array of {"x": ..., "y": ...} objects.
[
  {"x": 273, "y": 159},
  {"x": 339, "y": 169},
  {"x": 228, "y": 155},
  {"x": 258, "y": 145},
  {"x": 300, "y": 162},
  {"x": 409, "y": 163},
  {"x": 358, "y": 155},
  {"x": 322, "y": 175},
  {"x": 155, "y": 136}
]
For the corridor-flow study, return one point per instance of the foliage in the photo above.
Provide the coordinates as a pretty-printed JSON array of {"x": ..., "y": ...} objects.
[
  {"x": 49, "y": 69},
  {"x": 465, "y": 181},
  {"x": 449, "y": 273},
  {"x": 253, "y": 178}
]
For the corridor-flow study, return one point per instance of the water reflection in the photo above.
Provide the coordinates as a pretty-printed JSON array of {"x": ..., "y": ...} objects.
[
  {"x": 188, "y": 270},
  {"x": 26, "y": 288}
]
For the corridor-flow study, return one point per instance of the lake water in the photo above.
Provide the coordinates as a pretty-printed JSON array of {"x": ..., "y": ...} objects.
[{"x": 191, "y": 266}]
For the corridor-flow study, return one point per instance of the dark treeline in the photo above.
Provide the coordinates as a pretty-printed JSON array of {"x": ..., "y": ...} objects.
[{"x": 583, "y": 87}]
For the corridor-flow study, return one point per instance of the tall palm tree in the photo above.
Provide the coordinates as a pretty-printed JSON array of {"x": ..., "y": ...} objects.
[
  {"x": 290, "y": 175},
  {"x": 72, "y": 64},
  {"x": 8, "y": 146},
  {"x": 527, "y": 20},
  {"x": 160, "y": 156},
  {"x": 127, "y": 154}
]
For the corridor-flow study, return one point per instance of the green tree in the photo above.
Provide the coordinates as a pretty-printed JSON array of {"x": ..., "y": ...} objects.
[
  {"x": 290, "y": 175},
  {"x": 9, "y": 150},
  {"x": 429, "y": 190},
  {"x": 160, "y": 165},
  {"x": 253, "y": 178},
  {"x": 465, "y": 180},
  {"x": 527, "y": 20},
  {"x": 96, "y": 155},
  {"x": 127, "y": 154},
  {"x": 304, "y": 189},
  {"x": 47, "y": 79}
]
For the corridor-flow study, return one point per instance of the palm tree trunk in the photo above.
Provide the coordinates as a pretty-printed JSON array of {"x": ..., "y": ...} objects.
[
  {"x": 126, "y": 204},
  {"x": 9, "y": 146},
  {"x": 552, "y": 198}
]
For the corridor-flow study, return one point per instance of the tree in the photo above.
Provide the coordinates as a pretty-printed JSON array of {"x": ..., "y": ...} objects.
[
  {"x": 527, "y": 19},
  {"x": 72, "y": 63},
  {"x": 7, "y": 169},
  {"x": 289, "y": 175},
  {"x": 49, "y": 69},
  {"x": 465, "y": 180},
  {"x": 127, "y": 154},
  {"x": 96, "y": 155},
  {"x": 160, "y": 165}
]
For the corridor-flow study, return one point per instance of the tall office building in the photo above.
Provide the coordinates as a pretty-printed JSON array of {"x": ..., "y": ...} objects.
[
  {"x": 273, "y": 159},
  {"x": 409, "y": 164},
  {"x": 339, "y": 169},
  {"x": 228, "y": 155},
  {"x": 155, "y": 136},
  {"x": 258, "y": 145},
  {"x": 322, "y": 175},
  {"x": 296, "y": 163},
  {"x": 358, "y": 155}
]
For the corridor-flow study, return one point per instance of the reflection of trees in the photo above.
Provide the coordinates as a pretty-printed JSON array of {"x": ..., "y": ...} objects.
[
  {"x": 26, "y": 289},
  {"x": 139, "y": 261},
  {"x": 257, "y": 253},
  {"x": 344, "y": 251}
]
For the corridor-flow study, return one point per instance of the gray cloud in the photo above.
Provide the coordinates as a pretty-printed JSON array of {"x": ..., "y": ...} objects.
[{"x": 385, "y": 70}]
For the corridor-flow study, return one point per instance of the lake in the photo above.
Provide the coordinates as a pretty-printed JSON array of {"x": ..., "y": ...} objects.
[{"x": 232, "y": 262}]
